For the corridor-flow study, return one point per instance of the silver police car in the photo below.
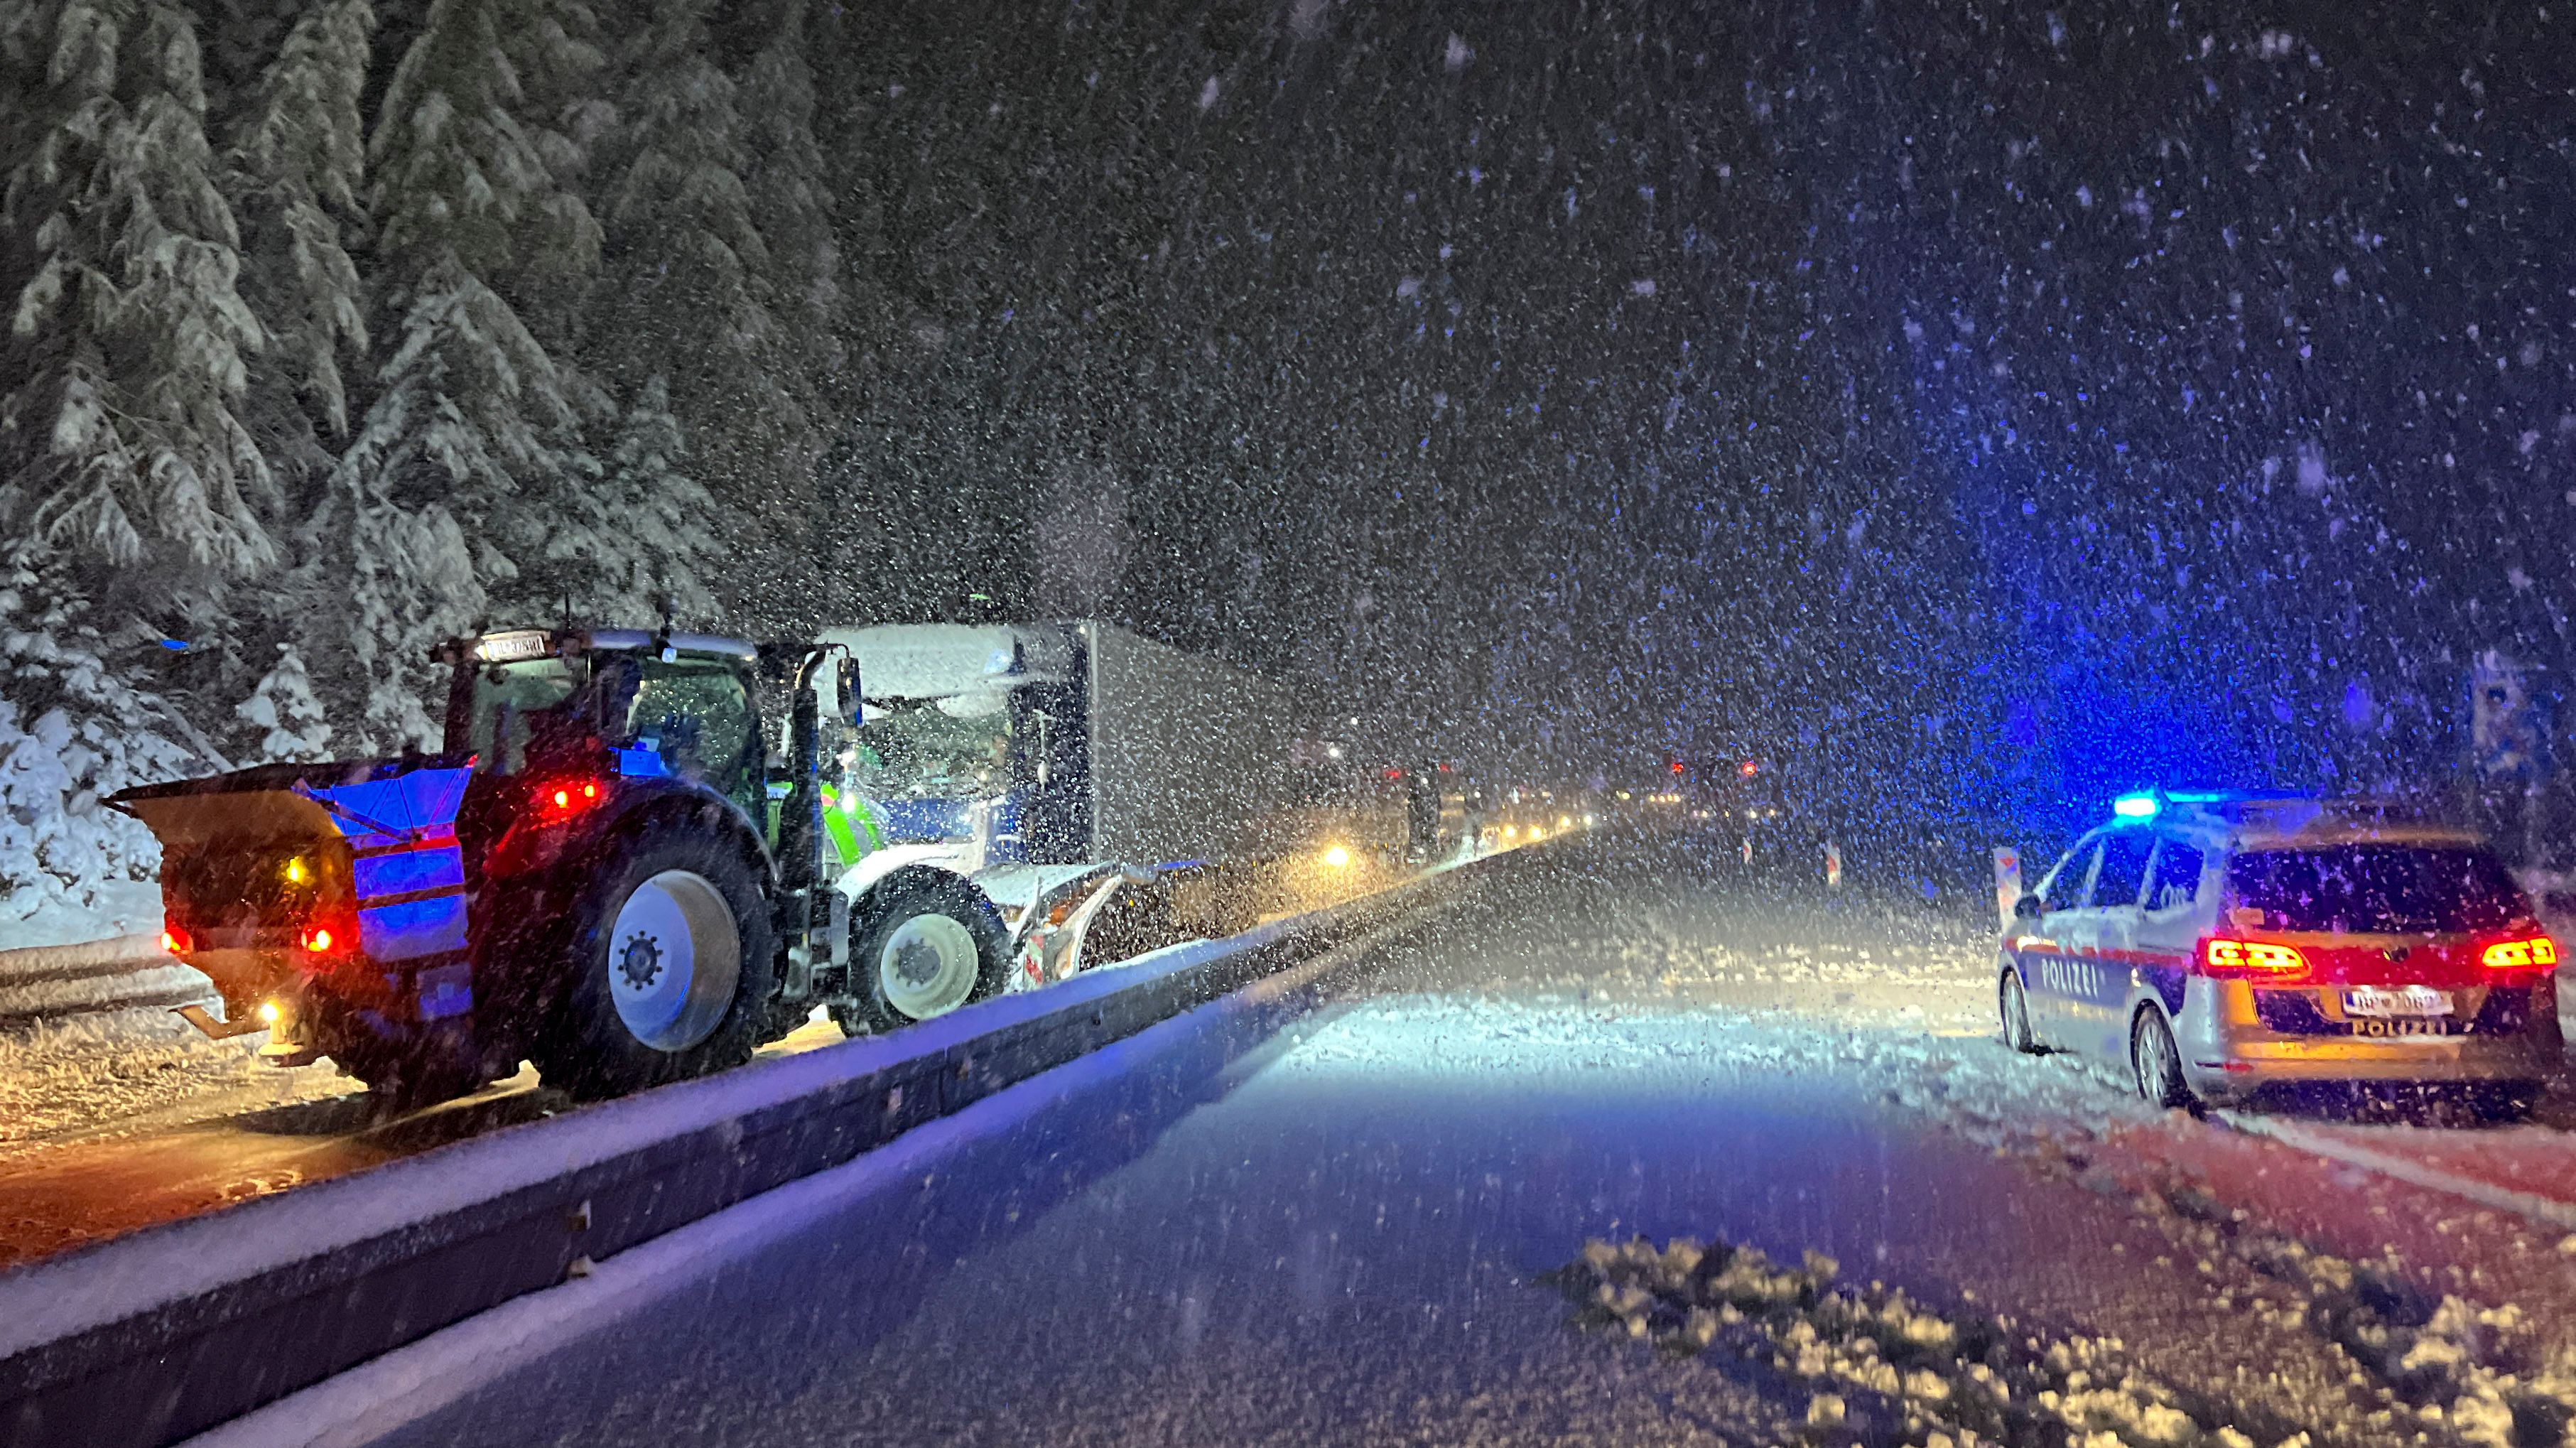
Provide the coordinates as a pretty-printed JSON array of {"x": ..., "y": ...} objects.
[{"x": 2211, "y": 944}]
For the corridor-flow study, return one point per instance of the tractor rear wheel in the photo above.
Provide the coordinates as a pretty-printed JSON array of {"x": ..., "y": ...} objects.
[
  {"x": 928, "y": 945},
  {"x": 670, "y": 968}
]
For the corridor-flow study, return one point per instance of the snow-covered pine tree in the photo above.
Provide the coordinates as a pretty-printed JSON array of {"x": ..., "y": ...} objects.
[
  {"x": 472, "y": 441},
  {"x": 296, "y": 173},
  {"x": 123, "y": 366},
  {"x": 380, "y": 583},
  {"x": 807, "y": 362},
  {"x": 681, "y": 316},
  {"x": 640, "y": 535},
  {"x": 290, "y": 719},
  {"x": 74, "y": 728},
  {"x": 130, "y": 490}
]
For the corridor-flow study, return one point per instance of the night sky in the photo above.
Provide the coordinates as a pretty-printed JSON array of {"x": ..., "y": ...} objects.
[{"x": 1975, "y": 408}]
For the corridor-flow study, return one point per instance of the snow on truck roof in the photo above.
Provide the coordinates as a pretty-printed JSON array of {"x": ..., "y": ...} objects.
[{"x": 945, "y": 660}]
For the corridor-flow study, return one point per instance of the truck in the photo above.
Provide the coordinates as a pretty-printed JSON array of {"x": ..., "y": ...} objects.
[
  {"x": 993, "y": 770},
  {"x": 640, "y": 854}
]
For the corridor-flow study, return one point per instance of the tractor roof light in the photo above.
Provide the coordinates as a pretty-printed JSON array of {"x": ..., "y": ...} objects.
[
  {"x": 2136, "y": 806},
  {"x": 516, "y": 646}
]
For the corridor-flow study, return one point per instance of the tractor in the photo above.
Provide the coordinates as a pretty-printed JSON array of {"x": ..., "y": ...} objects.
[{"x": 611, "y": 869}]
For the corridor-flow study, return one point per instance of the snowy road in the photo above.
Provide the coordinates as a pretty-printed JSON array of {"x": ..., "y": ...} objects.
[{"x": 1357, "y": 1234}]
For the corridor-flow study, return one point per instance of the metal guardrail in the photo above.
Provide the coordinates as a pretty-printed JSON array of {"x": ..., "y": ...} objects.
[
  {"x": 61, "y": 982},
  {"x": 145, "y": 1339}
]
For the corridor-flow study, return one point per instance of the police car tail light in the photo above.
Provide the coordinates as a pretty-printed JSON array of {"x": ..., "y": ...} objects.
[
  {"x": 2254, "y": 959},
  {"x": 2539, "y": 952}
]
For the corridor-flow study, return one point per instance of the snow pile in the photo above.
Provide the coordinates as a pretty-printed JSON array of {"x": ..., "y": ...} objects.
[
  {"x": 1880, "y": 1364},
  {"x": 2475, "y": 1370}
]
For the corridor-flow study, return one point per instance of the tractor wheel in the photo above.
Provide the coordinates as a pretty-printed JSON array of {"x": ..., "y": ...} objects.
[
  {"x": 928, "y": 945},
  {"x": 670, "y": 969}
]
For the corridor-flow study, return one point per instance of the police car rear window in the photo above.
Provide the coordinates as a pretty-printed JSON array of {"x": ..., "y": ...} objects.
[{"x": 2374, "y": 889}]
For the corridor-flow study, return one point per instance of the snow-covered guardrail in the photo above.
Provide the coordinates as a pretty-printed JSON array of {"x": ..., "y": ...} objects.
[
  {"x": 148, "y": 1338},
  {"x": 58, "y": 982}
]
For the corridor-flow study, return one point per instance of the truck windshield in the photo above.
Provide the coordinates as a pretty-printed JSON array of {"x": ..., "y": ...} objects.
[
  {"x": 2376, "y": 889},
  {"x": 917, "y": 749},
  {"x": 512, "y": 704}
]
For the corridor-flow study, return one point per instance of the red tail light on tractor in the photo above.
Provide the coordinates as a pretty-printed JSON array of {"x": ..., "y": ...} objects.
[{"x": 563, "y": 798}]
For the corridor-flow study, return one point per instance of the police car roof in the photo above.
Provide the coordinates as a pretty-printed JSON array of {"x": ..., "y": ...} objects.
[{"x": 2258, "y": 820}]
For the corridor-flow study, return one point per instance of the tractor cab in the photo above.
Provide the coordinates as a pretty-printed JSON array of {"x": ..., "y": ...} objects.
[{"x": 678, "y": 706}]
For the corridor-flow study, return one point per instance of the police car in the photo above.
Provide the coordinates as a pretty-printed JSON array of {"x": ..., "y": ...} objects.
[{"x": 2214, "y": 943}]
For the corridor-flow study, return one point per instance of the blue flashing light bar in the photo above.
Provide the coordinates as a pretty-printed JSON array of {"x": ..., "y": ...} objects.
[{"x": 2146, "y": 804}]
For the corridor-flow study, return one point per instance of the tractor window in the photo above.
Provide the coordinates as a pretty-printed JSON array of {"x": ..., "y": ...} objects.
[
  {"x": 697, "y": 717},
  {"x": 934, "y": 749},
  {"x": 512, "y": 705}
]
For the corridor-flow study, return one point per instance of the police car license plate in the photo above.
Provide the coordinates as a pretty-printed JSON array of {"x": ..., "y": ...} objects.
[{"x": 2379, "y": 1003}]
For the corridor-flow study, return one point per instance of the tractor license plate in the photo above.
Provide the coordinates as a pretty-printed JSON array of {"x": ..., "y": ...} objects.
[{"x": 2381, "y": 1003}]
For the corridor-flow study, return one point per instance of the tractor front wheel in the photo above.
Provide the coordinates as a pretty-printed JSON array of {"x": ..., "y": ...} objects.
[{"x": 926, "y": 946}]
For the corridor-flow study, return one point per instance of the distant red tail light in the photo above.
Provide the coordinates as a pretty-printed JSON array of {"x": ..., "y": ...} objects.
[
  {"x": 2251, "y": 959},
  {"x": 319, "y": 939},
  {"x": 2537, "y": 952},
  {"x": 175, "y": 941}
]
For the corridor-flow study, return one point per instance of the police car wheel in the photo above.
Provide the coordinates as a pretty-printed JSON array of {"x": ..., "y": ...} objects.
[
  {"x": 2156, "y": 1063},
  {"x": 2014, "y": 1007}
]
